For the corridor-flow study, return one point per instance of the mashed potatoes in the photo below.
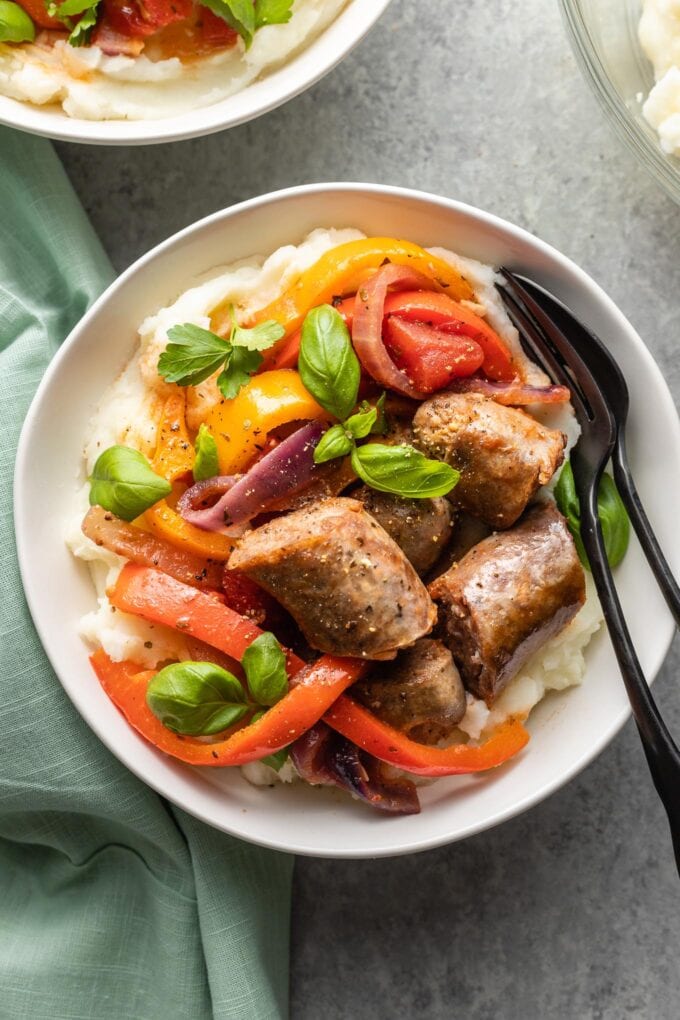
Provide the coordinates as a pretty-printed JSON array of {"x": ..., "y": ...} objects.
[
  {"x": 128, "y": 414},
  {"x": 660, "y": 39},
  {"x": 90, "y": 85}
]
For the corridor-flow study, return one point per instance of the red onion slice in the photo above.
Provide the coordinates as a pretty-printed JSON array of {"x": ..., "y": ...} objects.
[
  {"x": 368, "y": 322},
  {"x": 192, "y": 504},
  {"x": 324, "y": 758},
  {"x": 285, "y": 470},
  {"x": 513, "y": 394}
]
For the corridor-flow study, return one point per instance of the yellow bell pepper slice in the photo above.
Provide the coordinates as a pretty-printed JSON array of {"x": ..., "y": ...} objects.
[
  {"x": 173, "y": 458},
  {"x": 341, "y": 271},
  {"x": 240, "y": 426},
  {"x": 165, "y": 522}
]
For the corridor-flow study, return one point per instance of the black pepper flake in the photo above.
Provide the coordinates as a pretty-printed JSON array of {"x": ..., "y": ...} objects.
[{"x": 148, "y": 644}]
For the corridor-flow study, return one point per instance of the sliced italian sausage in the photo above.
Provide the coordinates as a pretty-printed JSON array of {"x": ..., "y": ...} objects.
[
  {"x": 420, "y": 693},
  {"x": 420, "y": 527},
  {"x": 504, "y": 455},
  {"x": 345, "y": 582},
  {"x": 509, "y": 595}
]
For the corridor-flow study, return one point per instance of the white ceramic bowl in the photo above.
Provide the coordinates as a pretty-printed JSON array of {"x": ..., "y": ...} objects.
[
  {"x": 265, "y": 94},
  {"x": 568, "y": 730}
]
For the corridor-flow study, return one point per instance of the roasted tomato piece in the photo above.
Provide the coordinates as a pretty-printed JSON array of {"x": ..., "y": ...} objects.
[
  {"x": 37, "y": 12},
  {"x": 453, "y": 317},
  {"x": 215, "y": 32},
  {"x": 128, "y": 17},
  {"x": 430, "y": 357}
]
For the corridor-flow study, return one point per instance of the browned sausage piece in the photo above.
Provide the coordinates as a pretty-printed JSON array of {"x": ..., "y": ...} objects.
[
  {"x": 420, "y": 693},
  {"x": 348, "y": 586},
  {"x": 420, "y": 527},
  {"x": 503, "y": 454},
  {"x": 507, "y": 597}
]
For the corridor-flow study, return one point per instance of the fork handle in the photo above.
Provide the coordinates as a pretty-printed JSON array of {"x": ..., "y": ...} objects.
[
  {"x": 648, "y": 540},
  {"x": 660, "y": 749}
]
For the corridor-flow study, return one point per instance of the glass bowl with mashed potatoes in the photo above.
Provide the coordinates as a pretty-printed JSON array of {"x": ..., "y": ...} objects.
[
  {"x": 148, "y": 71},
  {"x": 629, "y": 51}
]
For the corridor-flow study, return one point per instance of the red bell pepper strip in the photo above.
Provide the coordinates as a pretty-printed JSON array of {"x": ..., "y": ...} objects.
[
  {"x": 159, "y": 598},
  {"x": 285, "y": 353},
  {"x": 317, "y": 686},
  {"x": 389, "y": 745}
]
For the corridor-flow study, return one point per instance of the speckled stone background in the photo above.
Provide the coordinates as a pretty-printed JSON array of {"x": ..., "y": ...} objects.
[{"x": 572, "y": 910}]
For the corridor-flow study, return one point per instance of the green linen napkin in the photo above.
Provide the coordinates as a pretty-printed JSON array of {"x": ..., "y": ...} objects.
[{"x": 113, "y": 903}]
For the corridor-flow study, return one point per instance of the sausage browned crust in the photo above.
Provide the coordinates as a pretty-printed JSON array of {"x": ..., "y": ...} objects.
[
  {"x": 504, "y": 455},
  {"x": 507, "y": 597},
  {"x": 347, "y": 585},
  {"x": 420, "y": 693},
  {"x": 420, "y": 527}
]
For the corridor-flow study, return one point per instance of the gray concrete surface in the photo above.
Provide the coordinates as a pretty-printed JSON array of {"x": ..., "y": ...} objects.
[{"x": 570, "y": 911}]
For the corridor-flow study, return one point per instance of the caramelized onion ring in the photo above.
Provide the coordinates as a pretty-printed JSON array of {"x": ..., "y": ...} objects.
[
  {"x": 368, "y": 322},
  {"x": 284, "y": 470},
  {"x": 512, "y": 394}
]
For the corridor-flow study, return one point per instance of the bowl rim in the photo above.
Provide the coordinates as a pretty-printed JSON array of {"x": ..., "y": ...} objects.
[
  {"x": 261, "y": 96},
  {"x": 663, "y": 166},
  {"x": 23, "y": 467}
]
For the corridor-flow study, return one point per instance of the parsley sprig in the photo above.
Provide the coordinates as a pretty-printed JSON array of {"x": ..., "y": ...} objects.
[{"x": 194, "y": 354}]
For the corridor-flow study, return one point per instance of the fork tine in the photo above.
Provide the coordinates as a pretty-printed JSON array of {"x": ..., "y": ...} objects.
[
  {"x": 561, "y": 346},
  {"x": 542, "y": 350}
]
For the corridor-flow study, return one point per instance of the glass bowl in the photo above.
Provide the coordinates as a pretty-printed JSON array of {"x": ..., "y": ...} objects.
[{"x": 604, "y": 36}]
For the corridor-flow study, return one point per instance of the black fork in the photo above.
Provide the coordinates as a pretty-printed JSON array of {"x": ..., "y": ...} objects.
[{"x": 572, "y": 356}]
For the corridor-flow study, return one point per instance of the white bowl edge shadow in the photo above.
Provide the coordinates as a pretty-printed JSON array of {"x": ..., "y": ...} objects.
[
  {"x": 266, "y": 93},
  {"x": 568, "y": 730}
]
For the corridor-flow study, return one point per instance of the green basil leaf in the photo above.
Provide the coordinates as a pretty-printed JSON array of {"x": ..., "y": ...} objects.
[
  {"x": 614, "y": 520},
  {"x": 265, "y": 665},
  {"x": 15, "y": 24},
  {"x": 272, "y": 12},
  {"x": 327, "y": 364},
  {"x": 276, "y": 760},
  {"x": 380, "y": 427},
  {"x": 259, "y": 338},
  {"x": 403, "y": 470},
  {"x": 206, "y": 462},
  {"x": 333, "y": 443},
  {"x": 238, "y": 14},
  {"x": 193, "y": 355},
  {"x": 238, "y": 370},
  {"x": 196, "y": 698},
  {"x": 362, "y": 423},
  {"x": 123, "y": 482},
  {"x": 82, "y": 31}
]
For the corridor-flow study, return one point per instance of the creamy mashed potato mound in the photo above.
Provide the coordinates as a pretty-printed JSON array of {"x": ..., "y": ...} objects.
[
  {"x": 130, "y": 408},
  {"x": 660, "y": 39},
  {"x": 90, "y": 85}
]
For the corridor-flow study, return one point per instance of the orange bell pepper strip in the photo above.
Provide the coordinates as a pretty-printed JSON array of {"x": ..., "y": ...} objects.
[
  {"x": 365, "y": 730},
  {"x": 164, "y": 521},
  {"x": 174, "y": 457},
  {"x": 240, "y": 426},
  {"x": 340, "y": 271},
  {"x": 159, "y": 598},
  {"x": 318, "y": 685}
]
